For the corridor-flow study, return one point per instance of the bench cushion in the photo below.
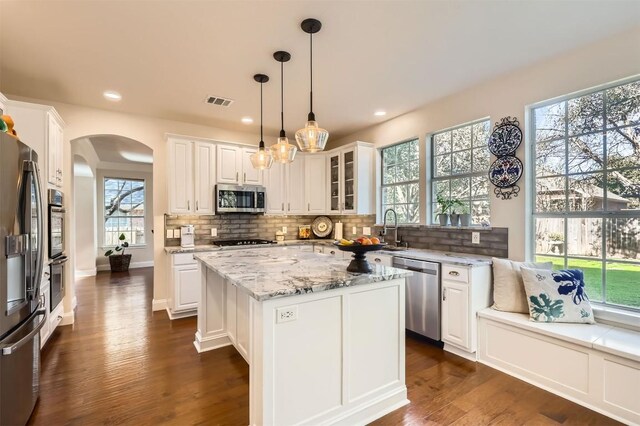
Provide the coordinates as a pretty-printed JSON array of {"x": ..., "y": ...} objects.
[{"x": 579, "y": 334}]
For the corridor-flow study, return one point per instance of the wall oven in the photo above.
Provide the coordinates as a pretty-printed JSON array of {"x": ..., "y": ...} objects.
[
  {"x": 240, "y": 199},
  {"x": 56, "y": 224}
]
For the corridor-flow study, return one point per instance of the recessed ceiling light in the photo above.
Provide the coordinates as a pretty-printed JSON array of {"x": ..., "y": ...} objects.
[
  {"x": 247, "y": 120},
  {"x": 111, "y": 95},
  {"x": 380, "y": 113}
]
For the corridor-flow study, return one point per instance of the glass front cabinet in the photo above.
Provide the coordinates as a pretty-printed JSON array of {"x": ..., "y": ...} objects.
[{"x": 351, "y": 179}]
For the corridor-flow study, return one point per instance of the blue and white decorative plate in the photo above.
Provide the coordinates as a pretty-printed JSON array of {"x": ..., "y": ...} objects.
[
  {"x": 505, "y": 139},
  {"x": 505, "y": 171}
]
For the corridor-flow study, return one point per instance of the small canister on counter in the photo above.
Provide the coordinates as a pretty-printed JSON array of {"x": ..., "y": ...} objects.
[{"x": 279, "y": 236}]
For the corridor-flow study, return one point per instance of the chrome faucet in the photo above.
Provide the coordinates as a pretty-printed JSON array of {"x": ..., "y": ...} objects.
[{"x": 395, "y": 226}]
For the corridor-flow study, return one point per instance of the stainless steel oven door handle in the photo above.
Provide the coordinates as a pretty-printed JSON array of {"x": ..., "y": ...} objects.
[{"x": 8, "y": 350}]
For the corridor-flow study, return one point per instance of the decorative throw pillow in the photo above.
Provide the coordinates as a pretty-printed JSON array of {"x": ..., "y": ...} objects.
[
  {"x": 508, "y": 288},
  {"x": 557, "y": 296}
]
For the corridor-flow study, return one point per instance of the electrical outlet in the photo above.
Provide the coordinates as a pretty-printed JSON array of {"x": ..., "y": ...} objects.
[
  {"x": 176, "y": 233},
  {"x": 366, "y": 230},
  {"x": 475, "y": 238},
  {"x": 169, "y": 233},
  {"x": 214, "y": 232},
  {"x": 354, "y": 231},
  {"x": 284, "y": 229},
  {"x": 286, "y": 314}
]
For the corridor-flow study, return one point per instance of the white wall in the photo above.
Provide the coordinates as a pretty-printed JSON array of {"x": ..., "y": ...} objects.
[
  {"x": 85, "y": 225},
  {"x": 602, "y": 62},
  {"x": 142, "y": 256}
]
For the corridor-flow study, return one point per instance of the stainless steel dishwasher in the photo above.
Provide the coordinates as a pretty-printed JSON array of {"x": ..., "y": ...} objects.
[{"x": 422, "y": 296}]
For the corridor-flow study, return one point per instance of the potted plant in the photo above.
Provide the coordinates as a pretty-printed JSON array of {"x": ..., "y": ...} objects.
[
  {"x": 444, "y": 204},
  {"x": 456, "y": 206},
  {"x": 465, "y": 216},
  {"x": 119, "y": 262},
  {"x": 557, "y": 242}
]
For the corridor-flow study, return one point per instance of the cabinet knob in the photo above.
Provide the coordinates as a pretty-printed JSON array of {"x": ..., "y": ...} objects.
[
  {"x": 444, "y": 294},
  {"x": 237, "y": 176},
  {"x": 454, "y": 273},
  {"x": 308, "y": 207},
  {"x": 377, "y": 259},
  {"x": 289, "y": 207},
  {"x": 282, "y": 206},
  {"x": 196, "y": 205},
  {"x": 332, "y": 252},
  {"x": 244, "y": 179},
  {"x": 188, "y": 205}
]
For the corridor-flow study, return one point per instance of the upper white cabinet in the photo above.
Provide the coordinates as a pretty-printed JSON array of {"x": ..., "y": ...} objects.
[
  {"x": 234, "y": 166},
  {"x": 191, "y": 176},
  {"x": 40, "y": 127},
  {"x": 315, "y": 184},
  {"x": 285, "y": 185},
  {"x": 350, "y": 178}
]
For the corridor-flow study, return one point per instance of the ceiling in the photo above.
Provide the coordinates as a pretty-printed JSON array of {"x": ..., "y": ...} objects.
[
  {"x": 118, "y": 149},
  {"x": 164, "y": 57}
]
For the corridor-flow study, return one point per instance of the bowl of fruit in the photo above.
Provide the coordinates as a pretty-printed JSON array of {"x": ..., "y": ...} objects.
[{"x": 359, "y": 247}]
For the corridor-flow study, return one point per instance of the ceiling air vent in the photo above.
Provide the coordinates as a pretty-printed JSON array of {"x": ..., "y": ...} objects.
[{"x": 217, "y": 100}]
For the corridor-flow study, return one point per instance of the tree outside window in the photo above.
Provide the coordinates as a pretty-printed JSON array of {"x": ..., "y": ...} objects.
[
  {"x": 124, "y": 210},
  {"x": 587, "y": 189},
  {"x": 401, "y": 180}
]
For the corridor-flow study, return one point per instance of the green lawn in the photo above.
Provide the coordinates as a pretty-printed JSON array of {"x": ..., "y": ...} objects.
[{"x": 623, "y": 279}]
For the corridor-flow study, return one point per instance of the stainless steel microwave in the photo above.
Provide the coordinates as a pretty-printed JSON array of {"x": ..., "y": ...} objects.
[{"x": 240, "y": 199}]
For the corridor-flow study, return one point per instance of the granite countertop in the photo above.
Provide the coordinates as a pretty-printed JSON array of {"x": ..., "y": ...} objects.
[{"x": 282, "y": 271}]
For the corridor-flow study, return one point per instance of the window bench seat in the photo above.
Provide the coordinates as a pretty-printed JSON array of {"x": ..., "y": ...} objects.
[{"x": 595, "y": 365}]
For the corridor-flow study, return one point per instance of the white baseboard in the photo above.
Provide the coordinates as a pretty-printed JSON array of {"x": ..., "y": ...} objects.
[
  {"x": 86, "y": 272},
  {"x": 133, "y": 265},
  {"x": 68, "y": 318},
  {"x": 158, "y": 304},
  {"x": 178, "y": 315},
  {"x": 461, "y": 352}
]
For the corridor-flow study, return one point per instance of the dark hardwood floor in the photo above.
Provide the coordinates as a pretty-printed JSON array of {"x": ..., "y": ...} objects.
[{"x": 121, "y": 364}]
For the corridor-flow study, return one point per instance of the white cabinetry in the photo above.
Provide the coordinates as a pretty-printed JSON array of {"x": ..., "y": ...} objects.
[
  {"x": 40, "y": 127},
  {"x": 191, "y": 176},
  {"x": 184, "y": 286},
  {"x": 380, "y": 259},
  {"x": 315, "y": 184},
  {"x": 285, "y": 185},
  {"x": 234, "y": 166},
  {"x": 351, "y": 181},
  {"x": 237, "y": 316},
  {"x": 465, "y": 291}
]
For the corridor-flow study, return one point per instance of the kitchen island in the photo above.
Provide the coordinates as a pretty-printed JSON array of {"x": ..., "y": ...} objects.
[{"x": 324, "y": 346}]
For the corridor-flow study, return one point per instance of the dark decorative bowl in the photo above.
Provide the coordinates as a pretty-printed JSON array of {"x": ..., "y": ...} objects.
[{"x": 359, "y": 262}]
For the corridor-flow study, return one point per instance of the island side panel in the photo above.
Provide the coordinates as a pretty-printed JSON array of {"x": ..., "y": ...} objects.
[
  {"x": 323, "y": 364},
  {"x": 212, "y": 311}
]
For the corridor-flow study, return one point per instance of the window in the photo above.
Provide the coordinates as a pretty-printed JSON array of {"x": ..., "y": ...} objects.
[
  {"x": 459, "y": 170},
  {"x": 587, "y": 190},
  {"x": 401, "y": 180},
  {"x": 123, "y": 210}
]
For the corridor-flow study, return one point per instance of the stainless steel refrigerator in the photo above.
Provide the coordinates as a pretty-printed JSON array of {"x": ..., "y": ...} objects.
[{"x": 22, "y": 313}]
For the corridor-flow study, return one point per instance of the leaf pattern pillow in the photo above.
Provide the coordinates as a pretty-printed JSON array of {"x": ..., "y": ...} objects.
[{"x": 557, "y": 296}]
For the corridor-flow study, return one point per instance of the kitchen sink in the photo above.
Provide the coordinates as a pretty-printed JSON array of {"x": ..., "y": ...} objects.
[{"x": 394, "y": 248}]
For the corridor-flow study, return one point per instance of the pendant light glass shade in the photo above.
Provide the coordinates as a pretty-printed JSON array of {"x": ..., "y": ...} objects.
[
  {"x": 282, "y": 151},
  {"x": 262, "y": 159},
  {"x": 312, "y": 138}
]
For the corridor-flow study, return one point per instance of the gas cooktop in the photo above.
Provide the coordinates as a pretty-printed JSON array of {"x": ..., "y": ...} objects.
[{"x": 242, "y": 242}]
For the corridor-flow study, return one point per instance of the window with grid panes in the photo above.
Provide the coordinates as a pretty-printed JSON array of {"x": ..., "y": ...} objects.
[
  {"x": 123, "y": 210},
  {"x": 401, "y": 180},
  {"x": 460, "y": 159},
  {"x": 587, "y": 189}
]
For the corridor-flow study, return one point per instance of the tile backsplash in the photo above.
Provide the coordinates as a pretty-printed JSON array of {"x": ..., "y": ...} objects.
[
  {"x": 493, "y": 241},
  {"x": 254, "y": 226}
]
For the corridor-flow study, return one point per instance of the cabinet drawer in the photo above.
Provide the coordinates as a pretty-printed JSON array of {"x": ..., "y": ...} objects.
[
  {"x": 455, "y": 273},
  {"x": 184, "y": 259}
]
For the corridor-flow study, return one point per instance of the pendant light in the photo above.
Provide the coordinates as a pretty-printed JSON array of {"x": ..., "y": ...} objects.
[
  {"x": 262, "y": 159},
  {"x": 312, "y": 138},
  {"x": 282, "y": 151}
]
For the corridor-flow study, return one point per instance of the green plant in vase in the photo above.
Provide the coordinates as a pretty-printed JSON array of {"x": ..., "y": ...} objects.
[{"x": 444, "y": 206}]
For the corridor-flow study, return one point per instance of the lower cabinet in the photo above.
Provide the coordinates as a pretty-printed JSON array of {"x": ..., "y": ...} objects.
[
  {"x": 53, "y": 317},
  {"x": 380, "y": 259},
  {"x": 184, "y": 286},
  {"x": 465, "y": 291}
]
